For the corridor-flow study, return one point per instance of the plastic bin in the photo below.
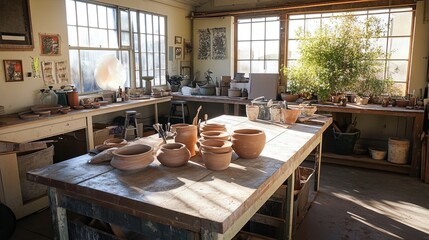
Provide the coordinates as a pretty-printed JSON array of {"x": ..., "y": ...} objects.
[{"x": 344, "y": 143}]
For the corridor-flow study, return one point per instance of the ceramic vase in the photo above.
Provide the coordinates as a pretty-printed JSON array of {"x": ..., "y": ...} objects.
[
  {"x": 252, "y": 112},
  {"x": 248, "y": 143},
  {"x": 188, "y": 136},
  {"x": 173, "y": 154}
]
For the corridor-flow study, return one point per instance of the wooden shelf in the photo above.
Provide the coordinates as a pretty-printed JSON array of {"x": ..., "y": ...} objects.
[{"x": 365, "y": 162}]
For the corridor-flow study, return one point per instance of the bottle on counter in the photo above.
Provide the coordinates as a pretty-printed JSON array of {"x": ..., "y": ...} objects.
[
  {"x": 119, "y": 95},
  {"x": 126, "y": 96}
]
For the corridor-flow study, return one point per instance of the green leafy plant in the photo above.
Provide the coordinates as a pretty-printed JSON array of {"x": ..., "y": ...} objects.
[{"x": 339, "y": 57}]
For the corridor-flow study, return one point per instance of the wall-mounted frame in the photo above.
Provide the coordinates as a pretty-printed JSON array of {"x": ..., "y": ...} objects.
[
  {"x": 13, "y": 70},
  {"x": 178, "y": 52},
  {"x": 178, "y": 40},
  {"x": 50, "y": 44},
  {"x": 15, "y": 25}
]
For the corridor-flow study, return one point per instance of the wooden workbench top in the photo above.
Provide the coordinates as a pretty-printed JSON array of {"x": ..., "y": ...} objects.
[{"x": 191, "y": 196}]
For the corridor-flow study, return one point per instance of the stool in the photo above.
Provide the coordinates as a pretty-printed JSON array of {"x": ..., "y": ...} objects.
[
  {"x": 131, "y": 117},
  {"x": 173, "y": 110}
]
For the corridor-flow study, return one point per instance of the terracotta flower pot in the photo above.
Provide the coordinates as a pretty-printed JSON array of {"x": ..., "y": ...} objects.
[
  {"x": 173, "y": 154},
  {"x": 177, "y": 125},
  {"x": 289, "y": 97},
  {"x": 248, "y": 143},
  {"x": 290, "y": 115},
  {"x": 216, "y": 146},
  {"x": 216, "y": 161},
  {"x": 219, "y": 135},
  {"x": 132, "y": 157},
  {"x": 252, "y": 112},
  {"x": 188, "y": 136}
]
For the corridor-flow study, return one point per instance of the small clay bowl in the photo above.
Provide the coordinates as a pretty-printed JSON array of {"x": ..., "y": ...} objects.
[
  {"x": 309, "y": 111},
  {"x": 44, "y": 113},
  {"x": 64, "y": 111},
  {"x": 173, "y": 154},
  {"x": 95, "y": 105},
  {"x": 78, "y": 107},
  {"x": 377, "y": 154},
  {"x": 248, "y": 143},
  {"x": 117, "y": 142},
  {"x": 215, "y": 146},
  {"x": 213, "y": 127},
  {"x": 290, "y": 115},
  {"x": 132, "y": 157},
  {"x": 216, "y": 161},
  {"x": 219, "y": 135},
  {"x": 87, "y": 106}
]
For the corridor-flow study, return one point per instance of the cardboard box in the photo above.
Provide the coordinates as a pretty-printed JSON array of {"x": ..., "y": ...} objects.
[{"x": 102, "y": 132}]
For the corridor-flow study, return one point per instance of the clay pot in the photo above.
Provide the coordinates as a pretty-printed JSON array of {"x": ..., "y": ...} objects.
[
  {"x": 309, "y": 111},
  {"x": 248, "y": 143},
  {"x": 188, "y": 136},
  {"x": 275, "y": 114},
  {"x": 252, "y": 112},
  {"x": 216, "y": 146},
  {"x": 173, "y": 154},
  {"x": 115, "y": 142},
  {"x": 177, "y": 125},
  {"x": 216, "y": 161},
  {"x": 290, "y": 115},
  {"x": 213, "y": 127},
  {"x": 289, "y": 97},
  {"x": 132, "y": 157},
  {"x": 219, "y": 135}
]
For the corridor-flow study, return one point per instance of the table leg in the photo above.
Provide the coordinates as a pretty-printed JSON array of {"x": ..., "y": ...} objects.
[
  {"x": 59, "y": 216},
  {"x": 317, "y": 165},
  {"x": 156, "y": 112},
  {"x": 288, "y": 207},
  {"x": 416, "y": 146},
  {"x": 226, "y": 108},
  {"x": 236, "y": 109}
]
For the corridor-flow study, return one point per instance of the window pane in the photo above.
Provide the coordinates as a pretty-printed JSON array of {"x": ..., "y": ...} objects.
[
  {"x": 149, "y": 24},
  {"x": 381, "y": 43},
  {"x": 401, "y": 24},
  {"x": 82, "y": 19},
  {"x": 258, "y": 67},
  {"x": 243, "y": 67},
  {"x": 144, "y": 64},
  {"x": 156, "y": 44},
  {"x": 155, "y": 25},
  {"x": 71, "y": 12},
  {"x": 92, "y": 16},
  {"x": 402, "y": 88},
  {"x": 113, "y": 39},
  {"x": 311, "y": 25},
  {"x": 247, "y": 20},
  {"x": 74, "y": 68},
  {"x": 398, "y": 70},
  {"x": 272, "y": 66},
  {"x": 292, "y": 49},
  {"x": 138, "y": 78},
  {"x": 399, "y": 47},
  {"x": 163, "y": 66},
  {"x": 384, "y": 20},
  {"x": 149, "y": 43},
  {"x": 294, "y": 25},
  {"x": 273, "y": 30},
  {"x": 111, "y": 18},
  {"x": 162, "y": 44},
  {"x": 243, "y": 32},
  {"x": 162, "y": 26},
  {"x": 125, "y": 38},
  {"x": 258, "y": 30},
  {"x": 272, "y": 50},
  {"x": 102, "y": 17},
  {"x": 134, "y": 21},
  {"x": 142, "y": 23},
  {"x": 125, "y": 61},
  {"x": 137, "y": 61},
  {"x": 257, "y": 50},
  {"x": 150, "y": 63},
  {"x": 125, "y": 26},
  {"x": 83, "y": 37},
  {"x": 72, "y": 32},
  {"x": 243, "y": 50},
  {"x": 98, "y": 37},
  {"x": 143, "y": 47}
]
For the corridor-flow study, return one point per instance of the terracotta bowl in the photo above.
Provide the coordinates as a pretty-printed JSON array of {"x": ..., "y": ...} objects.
[
  {"x": 377, "y": 154},
  {"x": 116, "y": 142},
  {"x": 402, "y": 103},
  {"x": 219, "y": 135},
  {"x": 290, "y": 115},
  {"x": 248, "y": 143},
  {"x": 173, "y": 154},
  {"x": 216, "y": 161},
  {"x": 289, "y": 97},
  {"x": 132, "y": 157},
  {"x": 309, "y": 111},
  {"x": 215, "y": 146},
  {"x": 177, "y": 125},
  {"x": 213, "y": 127}
]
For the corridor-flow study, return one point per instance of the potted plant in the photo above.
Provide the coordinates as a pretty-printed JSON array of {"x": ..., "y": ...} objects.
[
  {"x": 337, "y": 56},
  {"x": 299, "y": 83}
]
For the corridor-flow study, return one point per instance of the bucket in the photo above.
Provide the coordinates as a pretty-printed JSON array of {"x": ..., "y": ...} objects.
[
  {"x": 398, "y": 150},
  {"x": 344, "y": 143}
]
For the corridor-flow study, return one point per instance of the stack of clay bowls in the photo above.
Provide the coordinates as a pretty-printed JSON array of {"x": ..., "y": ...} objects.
[
  {"x": 216, "y": 154},
  {"x": 248, "y": 143},
  {"x": 212, "y": 127},
  {"x": 218, "y": 135},
  {"x": 173, "y": 154},
  {"x": 132, "y": 157}
]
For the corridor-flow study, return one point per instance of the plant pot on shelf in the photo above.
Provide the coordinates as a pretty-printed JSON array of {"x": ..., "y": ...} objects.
[{"x": 289, "y": 97}]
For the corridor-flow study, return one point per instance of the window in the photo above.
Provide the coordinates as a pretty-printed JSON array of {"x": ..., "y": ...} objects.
[
  {"x": 97, "y": 30},
  {"x": 396, "y": 39},
  {"x": 258, "y": 44}
]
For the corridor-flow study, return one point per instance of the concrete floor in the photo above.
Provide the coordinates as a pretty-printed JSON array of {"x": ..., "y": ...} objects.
[{"x": 352, "y": 204}]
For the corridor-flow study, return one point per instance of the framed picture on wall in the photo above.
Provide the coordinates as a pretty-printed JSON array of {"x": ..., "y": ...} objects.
[
  {"x": 13, "y": 70},
  {"x": 50, "y": 44},
  {"x": 178, "y": 52},
  {"x": 178, "y": 40}
]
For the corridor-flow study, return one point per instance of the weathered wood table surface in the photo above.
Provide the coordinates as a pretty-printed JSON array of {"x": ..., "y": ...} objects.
[{"x": 188, "y": 202}]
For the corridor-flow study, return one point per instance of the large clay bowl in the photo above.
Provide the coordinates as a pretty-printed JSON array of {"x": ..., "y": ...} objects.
[
  {"x": 132, "y": 157},
  {"x": 213, "y": 127},
  {"x": 216, "y": 161},
  {"x": 173, "y": 154},
  {"x": 290, "y": 115},
  {"x": 219, "y": 135},
  {"x": 248, "y": 143},
  {"x": 215, "y": 146}
]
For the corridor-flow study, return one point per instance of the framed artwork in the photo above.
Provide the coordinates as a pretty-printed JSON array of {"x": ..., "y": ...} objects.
[
  {"x": 50, "y": 44},
  {"x": 15, "y": 25},
  {"x": 178, "y": 52},
  {"x": 13, "y": 70},
  {"x": 178, "y": 40}
]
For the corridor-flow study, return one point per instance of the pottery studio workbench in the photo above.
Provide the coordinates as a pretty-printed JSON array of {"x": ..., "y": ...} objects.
[
  {"x": 17, "y": 130},
  {"x": 189, "y": 202}
]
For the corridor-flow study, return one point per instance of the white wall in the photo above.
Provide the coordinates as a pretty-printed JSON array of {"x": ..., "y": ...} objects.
[
  {"x": 218, "y": 67},
  {"x": 49, "y": 16}
]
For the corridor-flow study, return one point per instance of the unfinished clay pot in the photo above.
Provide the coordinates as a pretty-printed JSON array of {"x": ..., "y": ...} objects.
[
  {"x": 290, "y": 115},
  {"x": 252, "y": 112},
  {"x": 132, "y": 157},
  {"x": 219, "y": 135},
  {"x": 248, "y": 143},
  {"x": 213, "y": 127},
  {"x": 173, "y": 154},
  {"x": 215, "y": 146},
  {"x": 216, "y": 161},
  {"x": 188, "y": 136}
]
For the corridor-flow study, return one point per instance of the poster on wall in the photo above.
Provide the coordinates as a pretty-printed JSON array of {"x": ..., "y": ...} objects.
[
  {"x": 219, "y": 43},
  {"x": 204, "y": 49},
  {"x": 61, "y": 71},
  {"x": 48, "y": 72},
  {"x": 13, "y": 70},
  {"x": 50, "y": 44}
]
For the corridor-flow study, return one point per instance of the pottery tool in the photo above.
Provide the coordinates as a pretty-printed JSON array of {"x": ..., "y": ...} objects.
[
  {"x": 160, "y": 131},
  {"x": 195, "y": 120}
]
